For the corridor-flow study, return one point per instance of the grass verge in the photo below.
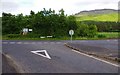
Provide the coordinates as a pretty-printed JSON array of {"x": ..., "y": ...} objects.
[{"x": 99, "y": 36}]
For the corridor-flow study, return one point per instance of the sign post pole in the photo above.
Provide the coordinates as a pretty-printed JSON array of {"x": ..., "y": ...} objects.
[
  {"x": 71, "y": 38},
  {"x": 71, "y": 32}
]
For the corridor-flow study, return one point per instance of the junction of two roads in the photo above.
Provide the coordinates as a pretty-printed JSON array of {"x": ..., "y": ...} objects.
[{"x": 55, "y": 57}]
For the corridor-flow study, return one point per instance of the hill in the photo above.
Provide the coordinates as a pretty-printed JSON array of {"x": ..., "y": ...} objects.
[{"x": 98, "y": 15}]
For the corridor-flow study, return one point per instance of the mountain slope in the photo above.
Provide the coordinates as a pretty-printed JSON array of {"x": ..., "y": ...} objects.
[{"x": 98, "y": 15}]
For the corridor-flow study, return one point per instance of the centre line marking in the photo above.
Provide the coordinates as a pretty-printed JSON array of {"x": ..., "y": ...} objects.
[
  {"x": 116, "y": 65},
  {"x": 39, "y": 42},
  {"x": 12, "y": 42},
  {"x": 19, "y": 42},
  {"x": 26, "y": 42},
  {"x": 33, "y": 42},
  {"x": 45, "y": 42},
  {"x": 5, "y": 42},
  {"x": 52, "y": 42},
  {"x": 58, "y": 42}
]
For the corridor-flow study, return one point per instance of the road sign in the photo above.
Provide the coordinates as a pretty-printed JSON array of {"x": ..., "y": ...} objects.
[
  {"x": 71, "y": 32},
  {"x": 42, "y": 53},
  {"x": 30, "y": 30},
  {"x": 25, "y": 29}
]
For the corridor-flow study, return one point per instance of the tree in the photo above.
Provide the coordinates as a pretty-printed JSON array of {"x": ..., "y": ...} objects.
[
  {"x": 9, "y": 24},
  {"x": 32, "y": 13},
  {"x": 83, "y": 30},
  {"x": 92, "y": 31}
]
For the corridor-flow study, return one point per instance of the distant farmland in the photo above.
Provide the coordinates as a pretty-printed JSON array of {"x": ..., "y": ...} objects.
[{"x": 99, "y": 17}]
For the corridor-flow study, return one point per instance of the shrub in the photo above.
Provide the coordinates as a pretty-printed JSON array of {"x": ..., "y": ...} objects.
[
  {"x": 92, "y": 31},
  {"x": 87, "y": 31},
  {"x": 101, "y": 36}
]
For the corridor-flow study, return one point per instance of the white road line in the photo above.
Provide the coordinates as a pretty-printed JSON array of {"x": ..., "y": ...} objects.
[
  {"x": 19, "y": 42},
  {"x": 116, "y": 65},
  {"x": 5, "y": 42},
  {"x": 52, "y": 42},
  {"x": 46, "y": 54},
  {"x": 45, "y": 42},
  {"x": 33, "y": 43},
  {"x": 83, "y": 41},
  {"x": 39, "y": 42},
  {"x": 12, "y": 42},
  {"x": 58, "y": 42},
  {"x": 26, "y": 43},
  {"x": 115, "y": 40}
]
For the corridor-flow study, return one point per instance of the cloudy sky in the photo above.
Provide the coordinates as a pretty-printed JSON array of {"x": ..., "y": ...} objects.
[{"x": 70, "y": 6}]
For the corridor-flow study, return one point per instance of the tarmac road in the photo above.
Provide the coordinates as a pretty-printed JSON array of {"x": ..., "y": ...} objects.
[{"x": 63, "y": 59}]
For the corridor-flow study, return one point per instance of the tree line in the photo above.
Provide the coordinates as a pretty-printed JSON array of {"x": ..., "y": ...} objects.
[
  {"x": 106, "y": 26},
  {"x": 46, "y": 22}
]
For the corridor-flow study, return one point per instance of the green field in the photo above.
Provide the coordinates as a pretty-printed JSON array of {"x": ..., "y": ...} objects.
[
  {"x": 100, "y": 17},
  {"x": 109, "y": 34},
  {"x": 102, "y": 35}
]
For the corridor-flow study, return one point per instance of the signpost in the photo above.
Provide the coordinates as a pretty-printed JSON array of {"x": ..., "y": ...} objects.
[
  {"x": 25, "y": 31},
  {"x": 71, "y": 32},
  {"x": 30, "y": 30}
]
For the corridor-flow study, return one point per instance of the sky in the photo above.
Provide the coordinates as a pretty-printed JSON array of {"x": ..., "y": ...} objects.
[{"x": 70, "y": 6}]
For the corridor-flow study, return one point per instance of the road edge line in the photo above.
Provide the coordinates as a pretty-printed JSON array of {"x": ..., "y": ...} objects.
[
  {"x": 91, "y": 56},
  {"x": 96, "y": 58}
]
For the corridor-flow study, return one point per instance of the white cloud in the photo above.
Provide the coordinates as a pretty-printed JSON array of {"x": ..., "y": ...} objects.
[{"x": 70, "y": 6}]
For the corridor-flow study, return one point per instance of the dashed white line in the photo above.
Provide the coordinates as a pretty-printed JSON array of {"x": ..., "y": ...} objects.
[
  {"x": 58, "y": 42},
  {"x": 39, "y": 42},
  {"x": 83, "y": 41},
  {"x": 5, "y": 42},
  {"x": 19, "y": 43},
  {"x": 33, "y": 43},
  {"x": 116, "y": 65},
  {"x": 12, "y": 42},
  {"x": 52, "y": 42},
  {"x": 115, "y": 40},
  {"x": 26, "y": 43},
  {"x": 45, "y": 42}
]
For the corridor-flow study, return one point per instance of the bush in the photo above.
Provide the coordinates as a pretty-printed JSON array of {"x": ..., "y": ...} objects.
[
  {"x": 87, "y": 31},
  {"x": 83, "y": 30},
  {"x": 92, "y": 31},
  {"x": 101, "y": 36}
]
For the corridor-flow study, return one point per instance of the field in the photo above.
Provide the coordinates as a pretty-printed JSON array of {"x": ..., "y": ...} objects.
[
  {"x": 100, "y": 35},
  {"x": 101, "y": 17},
  {"x": 109, "y": 34}
]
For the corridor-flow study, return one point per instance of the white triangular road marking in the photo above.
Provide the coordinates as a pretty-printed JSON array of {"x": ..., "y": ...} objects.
[{"x": 46, "y": 54}]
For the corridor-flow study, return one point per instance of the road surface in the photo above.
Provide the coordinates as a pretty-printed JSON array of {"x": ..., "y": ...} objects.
[{"x": 63, "y": 59}]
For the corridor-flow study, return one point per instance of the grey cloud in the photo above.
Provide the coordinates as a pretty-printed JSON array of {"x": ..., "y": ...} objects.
[
  {"x": 90, "y": 2},
  {"x": 9, "y": 6}
]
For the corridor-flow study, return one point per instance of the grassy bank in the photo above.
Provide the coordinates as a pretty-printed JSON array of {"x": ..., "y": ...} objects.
[
  {"x": 100, "y": 35},
  {"x": 113, "y": 17},
  {"x": 109, "y": 34}
]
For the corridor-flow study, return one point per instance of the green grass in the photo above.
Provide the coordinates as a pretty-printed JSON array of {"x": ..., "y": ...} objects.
[
  {"x": 105, "y": 35},
  {"x": 100, "y": 17},
  {"x": 109, "y": 34}
]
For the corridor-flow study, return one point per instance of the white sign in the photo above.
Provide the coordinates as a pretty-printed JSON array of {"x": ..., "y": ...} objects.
[
  {"x": 25, "y": 29},
  {"x": 71, "y": 32},
  {"x": 30, "y": 30},
  {"x": 39, "y": 52}
]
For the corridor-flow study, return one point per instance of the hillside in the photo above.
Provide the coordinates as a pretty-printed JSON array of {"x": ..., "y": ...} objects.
[{"x": 98, "y": 15}]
